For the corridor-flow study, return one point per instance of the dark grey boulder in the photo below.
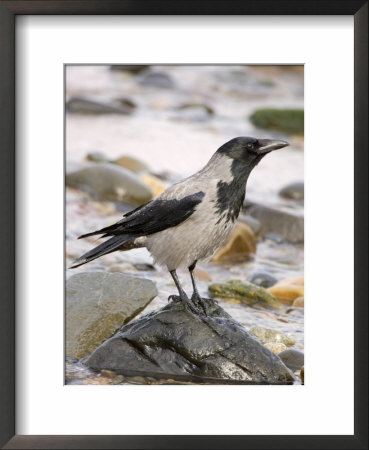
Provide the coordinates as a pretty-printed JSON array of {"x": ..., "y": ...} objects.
[
  {"x": 173, "y": 343},
  {"x": 290, "y": 225},
  {"x": 98, "y": 304}
]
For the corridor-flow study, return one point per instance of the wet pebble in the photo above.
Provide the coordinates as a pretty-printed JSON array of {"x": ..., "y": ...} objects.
[
  {"x": 84, "y": 105},
  {"x": 293, "y": 191},
  {"x": 131, "y": 68},
  {"x": 293, "y": 359},
  {"x": 290, "y": 225},
  {"x": 247, "y": 292},
  {"x": 144, "y": 267},
  {"x": 298, "y": 302},
  {"x": 110, "y": 182},
  {"x": 287, "y": 290},
  {"x": 156, "y": 185},
  {"x": 131, "y": 163},
  {"x": 276, "y": 347},
  {"x": 97, "y": 157},
  {"x": 156, "y": 79},
  {"x": 265, "y": 335},
  {"x": 262, "y": 279},
  {"x": 240, "y": 244}
]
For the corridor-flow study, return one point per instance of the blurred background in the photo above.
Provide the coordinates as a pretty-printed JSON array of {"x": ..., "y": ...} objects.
[{"x": 133, "y": 130}]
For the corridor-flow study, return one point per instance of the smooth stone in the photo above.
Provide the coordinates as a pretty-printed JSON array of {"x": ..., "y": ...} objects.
[
  {"x": 99, "y": 303},
  {"x": 293, "y": 191},
  {"x": 84, "y": 105},
  {"x": 288, "y": 289},
  {"x": 110, "y": 182},
  {"x": 302, "y": 374},
  {"x": 201, "y": 274},
  {"x": 97, "y": 157},
  {"x": 284, "y": 120},
  {"x": 171, "y": 343},
  {"x": 265, "y": 335},
  {"x": 262, "y": 279},
  {"x": 131, "y": 68},
  {"x": 276, "y": 347},
  {"x": 195, "y": 112},
  {"x": 290, "y": 225},
  {"x": 293, "y": 359},
  {"x": 144, "y": 267},
  {"x": 156, "y": 79},
  {"x": 298, "y": 302},
  {"x": 131, "y": 163},
  {"x": 253, "y": 223},
  {"x": 246, "y": 292},
  {"x": 240, "y": 244},
  {"x": 156, "y": 185}
]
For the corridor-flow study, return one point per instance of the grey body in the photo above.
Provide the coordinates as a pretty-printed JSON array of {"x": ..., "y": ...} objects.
[
  {"x": 198, "y": 237},
  {"x": 191, "y": 219}
]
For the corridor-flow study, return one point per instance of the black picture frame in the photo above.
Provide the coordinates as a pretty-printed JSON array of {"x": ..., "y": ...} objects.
[{"x": 8, "y": 12}]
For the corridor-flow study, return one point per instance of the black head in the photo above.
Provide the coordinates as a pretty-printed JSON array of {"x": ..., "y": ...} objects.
[{"x": 248, "y": 150}]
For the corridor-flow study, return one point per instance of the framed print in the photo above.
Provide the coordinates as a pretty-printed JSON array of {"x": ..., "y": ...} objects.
[{"x": 111, "y": 116}]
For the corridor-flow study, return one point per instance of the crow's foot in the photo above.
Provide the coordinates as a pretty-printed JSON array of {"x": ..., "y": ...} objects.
[
  {"x": 189, "y": 305},
  {"x": 201, "y": 304}
]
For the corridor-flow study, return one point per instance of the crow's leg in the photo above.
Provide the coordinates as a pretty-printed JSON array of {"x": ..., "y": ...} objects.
[
  {"x": 196, "y": 297},
  {"x": 188, "y": 304}
]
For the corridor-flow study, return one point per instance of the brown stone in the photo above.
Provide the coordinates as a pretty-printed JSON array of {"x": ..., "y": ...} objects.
[{"x": 239, "y": 246}]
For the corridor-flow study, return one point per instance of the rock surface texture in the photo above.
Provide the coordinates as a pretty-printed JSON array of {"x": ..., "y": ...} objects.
[
  {"x": 172, "y": 343},
  {"x": 97, "y": 304}
]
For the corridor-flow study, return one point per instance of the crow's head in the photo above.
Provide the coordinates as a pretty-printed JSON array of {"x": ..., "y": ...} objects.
[{"x": 248, "y": 151}]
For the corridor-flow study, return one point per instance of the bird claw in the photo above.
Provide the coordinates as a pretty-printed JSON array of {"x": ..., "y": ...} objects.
[
  {"x": 189, "y": 305},
  {"x": 201, "y": 303}
]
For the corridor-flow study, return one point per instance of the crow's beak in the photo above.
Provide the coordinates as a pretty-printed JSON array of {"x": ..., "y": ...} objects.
[{"x": 268, "y": 145}]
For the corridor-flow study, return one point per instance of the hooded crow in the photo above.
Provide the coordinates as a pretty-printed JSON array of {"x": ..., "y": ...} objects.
[{"x": 191, "y": 219}]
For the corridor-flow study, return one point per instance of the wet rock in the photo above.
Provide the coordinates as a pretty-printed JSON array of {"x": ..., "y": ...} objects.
[
  {"x": 276, "y": 347},
  {"x": 201, "y": 274},
  {"x": 298, "y": 302},
  {"x": 284, "y": 120},
  {"x": 155, "y": 184},
  {"x": 241, "y": 243},
  {"x": 110, "y": 182},
  {"x": 108, "y": 373},
  {"x": 262, "y": 279},
  {"x": 293, "y": 359},
  {"x": 98, "y": 304},
  {"x": 131, "y": 68},
  {"x": 265, "y": 335},
  {"x": 97, "y": 157},
  {"x": 246, "y": 292},
  {"x": 302, "y": 373},
  {"x": 144, "y": 267},
  {"x": 253, "y": 223},
  {"x": 293, "y": 191},
  {"x": 287, "y": 290},
  {"x": 290, "y": 225},
  {"x": 197, "y": 112},
  {"x": 172, "y": 343},
  {"x": 132, "y": 164},
  {"x": 83, "y": 105},
  {"x": 156, "y": 79}
]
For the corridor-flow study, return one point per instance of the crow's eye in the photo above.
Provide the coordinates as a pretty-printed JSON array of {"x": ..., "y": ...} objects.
[{"x": 250, "y": 146}]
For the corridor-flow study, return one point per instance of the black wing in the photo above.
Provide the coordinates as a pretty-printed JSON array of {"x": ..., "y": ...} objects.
[{"x": 154, "y": 216}]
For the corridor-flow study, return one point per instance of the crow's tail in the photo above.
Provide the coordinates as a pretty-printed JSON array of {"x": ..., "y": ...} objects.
[{"x": 122, "y": 242}]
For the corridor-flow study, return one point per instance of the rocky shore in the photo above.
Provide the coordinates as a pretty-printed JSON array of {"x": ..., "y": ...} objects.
[{"x": 120, "y": 327}]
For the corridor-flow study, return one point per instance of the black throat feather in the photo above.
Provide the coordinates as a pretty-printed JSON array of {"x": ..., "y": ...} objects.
[{"x": 230, "y": 196}]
